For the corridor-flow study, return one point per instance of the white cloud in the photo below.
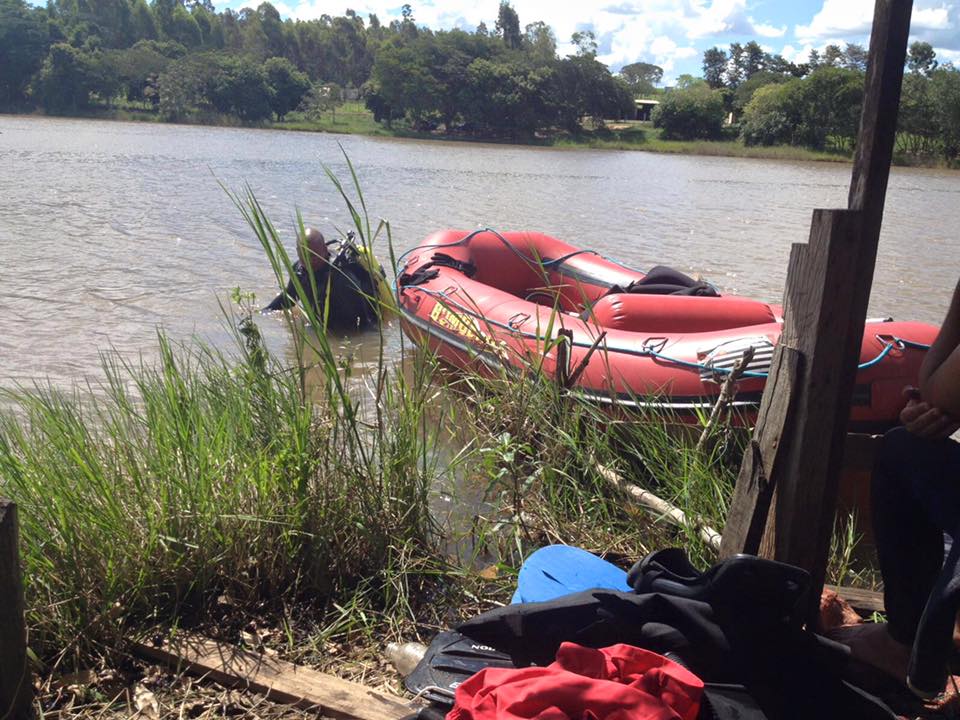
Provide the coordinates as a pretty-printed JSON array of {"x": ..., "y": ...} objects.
[
  {"x": 837, "y": 17},
  {"x": 944, "y": 56},
  {"x": 768, "y": 31},
  {"x": 935, "y": 18},
  {"x": 853, "y": 18}
]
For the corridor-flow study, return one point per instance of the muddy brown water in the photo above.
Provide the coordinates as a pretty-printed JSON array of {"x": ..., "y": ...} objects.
[{"x": 109, "y": 230}]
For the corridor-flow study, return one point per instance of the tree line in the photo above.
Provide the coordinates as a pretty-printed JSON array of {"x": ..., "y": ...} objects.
[
  {"x": 816, "y": 104},
  {"x": 181, "y": 58}
]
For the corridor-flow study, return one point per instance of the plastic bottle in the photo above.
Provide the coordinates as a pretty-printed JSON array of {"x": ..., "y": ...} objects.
[{"x": 405, "y": 656}]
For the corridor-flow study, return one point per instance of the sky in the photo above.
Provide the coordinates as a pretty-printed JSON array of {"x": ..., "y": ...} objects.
[{"x": 670, "y": 33}]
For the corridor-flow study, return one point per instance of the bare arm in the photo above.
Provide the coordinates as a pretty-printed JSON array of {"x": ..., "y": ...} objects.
[{"x": 940, "y": 372}]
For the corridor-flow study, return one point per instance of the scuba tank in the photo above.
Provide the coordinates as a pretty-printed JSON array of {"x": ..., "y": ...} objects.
[{"x": 359, "y": 264}]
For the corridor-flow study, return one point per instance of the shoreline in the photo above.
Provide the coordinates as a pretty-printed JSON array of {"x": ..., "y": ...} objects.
[{"x": 634, "y": 138}]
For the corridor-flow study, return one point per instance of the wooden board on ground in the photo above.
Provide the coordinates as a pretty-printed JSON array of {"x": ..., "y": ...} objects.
[{"x": 280, "y": 681}]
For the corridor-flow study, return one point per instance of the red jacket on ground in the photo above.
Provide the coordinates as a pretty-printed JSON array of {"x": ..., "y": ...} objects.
[{"x": 620, "y": 682}]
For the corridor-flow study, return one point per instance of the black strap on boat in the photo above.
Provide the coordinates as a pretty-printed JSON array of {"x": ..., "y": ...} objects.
[
  {"x": 428, "y": 270},
  {"x": 444, "y": 260},
  {"x": 420, "y": 276}
]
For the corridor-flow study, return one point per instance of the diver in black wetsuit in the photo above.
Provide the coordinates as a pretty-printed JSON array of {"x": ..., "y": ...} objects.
[{"x": 344, "y": 279}]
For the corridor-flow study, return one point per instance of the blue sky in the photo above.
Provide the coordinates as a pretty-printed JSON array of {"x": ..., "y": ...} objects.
[{"x": 670, "y": 33}]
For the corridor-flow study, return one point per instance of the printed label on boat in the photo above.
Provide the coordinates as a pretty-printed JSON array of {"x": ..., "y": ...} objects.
[{"x": 466, "y": 328}]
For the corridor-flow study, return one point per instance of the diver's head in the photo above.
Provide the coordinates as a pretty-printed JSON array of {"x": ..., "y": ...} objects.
[{"x": 312, "y": 249}]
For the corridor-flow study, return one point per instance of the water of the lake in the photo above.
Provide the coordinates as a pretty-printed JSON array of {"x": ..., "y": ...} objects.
[{"x": 108, "y": 230}]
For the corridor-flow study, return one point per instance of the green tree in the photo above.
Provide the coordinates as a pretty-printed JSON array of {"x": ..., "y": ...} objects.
[
  {"x": 689, "y": 114},
  {"x": 239, "y": 86},
  {"x": 139, "y": 68},
  {"x": 104, "y": 74},
  {"x": 921, "y": 58},
  {"x": 832, "y": 56},
  {"x": 753, "y": 60},
  {"x": 832, "y": 98},
  {"x": 404, "y": 84},
  {"x": 65, "y": 80},
  {"x": 180, "y": 87},
  {"x": 502, "y": 98},
  {"x": 736, "y": 65},
  {"x": 24, "y": 38},
  {"x": 540, "y": 43},
  {"x": 142, "y": 23},
  {"x": 584, "y": 87},
  {"x": 685, "y": 81},
  {"x": 945, "y": 99},
  {"x": 715, "y": 67},
  {"x": 288, "y": 85},
  {"x": 452, "y": 52},
  {"x": 855, "y": 57},
  {"x": 586, "y": 43},
  {"x": 642, "y": 77},
  {"x": 821, "y": 109},
  {"x": 772, "y": 114},
  {"x": 743, "y": 94},
  {"x": 918, "y": 131},
  {"x": 508, "y": 25}
]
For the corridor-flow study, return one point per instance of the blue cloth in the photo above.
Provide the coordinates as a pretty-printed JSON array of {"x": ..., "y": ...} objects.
[{"x": 558, "y": 570}]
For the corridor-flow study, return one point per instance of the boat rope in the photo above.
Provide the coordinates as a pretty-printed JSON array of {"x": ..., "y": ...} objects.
[{"x": 888, "y": 344}]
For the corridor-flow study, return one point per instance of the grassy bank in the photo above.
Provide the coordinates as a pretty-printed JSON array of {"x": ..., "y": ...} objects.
[{"x": 355, "y": 119}]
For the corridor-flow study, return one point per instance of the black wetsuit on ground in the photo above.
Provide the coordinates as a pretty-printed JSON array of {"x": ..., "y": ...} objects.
[
  {"x": 351, "y": 294},
  {"x": 916, "y": 501}
]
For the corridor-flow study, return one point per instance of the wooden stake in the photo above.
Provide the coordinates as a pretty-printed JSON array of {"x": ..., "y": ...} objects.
[{"x": 16, "y": 690}]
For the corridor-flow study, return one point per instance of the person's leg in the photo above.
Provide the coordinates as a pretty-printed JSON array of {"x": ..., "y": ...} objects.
[
  {"x": 908, "y": 538},
  {"x": 915, "y": 497}
]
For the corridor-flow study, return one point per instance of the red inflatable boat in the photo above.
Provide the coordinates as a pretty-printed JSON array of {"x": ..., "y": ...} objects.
[{"x": 657, "y": 339}]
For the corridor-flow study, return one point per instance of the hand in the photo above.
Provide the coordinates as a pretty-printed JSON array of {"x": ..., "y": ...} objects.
[{"x": 925, "y": 421}]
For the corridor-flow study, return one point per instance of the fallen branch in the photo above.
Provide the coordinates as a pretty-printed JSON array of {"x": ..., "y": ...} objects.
[
  {"x": 660, "y": 506},
  {"x": 280, "y": 681}
]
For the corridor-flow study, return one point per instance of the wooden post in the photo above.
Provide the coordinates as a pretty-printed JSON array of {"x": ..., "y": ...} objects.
[
  {"x": 785, "y": 500},
  {"x": 15, "y": 687}
]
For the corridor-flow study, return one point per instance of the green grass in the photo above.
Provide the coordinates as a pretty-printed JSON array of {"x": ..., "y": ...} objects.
[
  {"x": 201, "y": 476},
  {"x": 351, "y": 118},
  {"x": 643, "y": 136}
]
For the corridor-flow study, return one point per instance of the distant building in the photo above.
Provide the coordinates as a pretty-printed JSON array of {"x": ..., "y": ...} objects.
[{"x": 644, "y": 108}]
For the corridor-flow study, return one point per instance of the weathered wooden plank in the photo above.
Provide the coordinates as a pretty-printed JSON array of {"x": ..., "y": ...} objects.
[
  {"x": 753, "y": 493},
  {"x": 821, "y": 297},
  {"x": 16, "y": 690},
  {"x": 878, "y": 118},
  {"x": 280, "y": 681}
]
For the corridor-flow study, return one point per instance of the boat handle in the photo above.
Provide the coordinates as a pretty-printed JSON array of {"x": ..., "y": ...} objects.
[
  {"x": 517, "y": 320},
  {"x": 654, "y": 344},
  {"x": 891, "y": 340}
]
